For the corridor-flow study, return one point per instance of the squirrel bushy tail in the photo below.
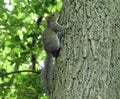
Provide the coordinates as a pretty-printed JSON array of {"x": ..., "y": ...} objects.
[{"x": 46, "y": 73}]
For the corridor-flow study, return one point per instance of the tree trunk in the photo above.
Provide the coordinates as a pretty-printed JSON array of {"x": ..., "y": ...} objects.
[{"x": 89, "y": 63}]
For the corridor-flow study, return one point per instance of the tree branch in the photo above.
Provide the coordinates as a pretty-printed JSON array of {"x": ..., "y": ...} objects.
[{"x": 15, "y": 72}]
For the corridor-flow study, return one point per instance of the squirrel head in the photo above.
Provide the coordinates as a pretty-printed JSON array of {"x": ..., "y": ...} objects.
[{"x": 52, "y": 17}]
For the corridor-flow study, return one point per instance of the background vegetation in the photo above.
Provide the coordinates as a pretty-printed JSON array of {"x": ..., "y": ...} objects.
[{"x": 21, "y": 52}]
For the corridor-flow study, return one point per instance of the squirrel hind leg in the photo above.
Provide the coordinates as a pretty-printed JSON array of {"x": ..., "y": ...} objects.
[{"x": 56, "y": 53}]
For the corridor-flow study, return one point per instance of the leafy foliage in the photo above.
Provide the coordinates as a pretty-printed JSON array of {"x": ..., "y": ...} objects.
[{"x": 21, "y": 25}]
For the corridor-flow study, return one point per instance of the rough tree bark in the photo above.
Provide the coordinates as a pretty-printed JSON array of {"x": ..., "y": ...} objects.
[{"x": 89, "y": 63}]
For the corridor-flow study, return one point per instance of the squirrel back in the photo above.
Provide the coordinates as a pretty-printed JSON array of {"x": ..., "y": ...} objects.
[{"x": 50, "y": 41}]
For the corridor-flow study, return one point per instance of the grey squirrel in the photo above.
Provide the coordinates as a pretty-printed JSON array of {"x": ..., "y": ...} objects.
[{"x": 52, "y": 47}]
